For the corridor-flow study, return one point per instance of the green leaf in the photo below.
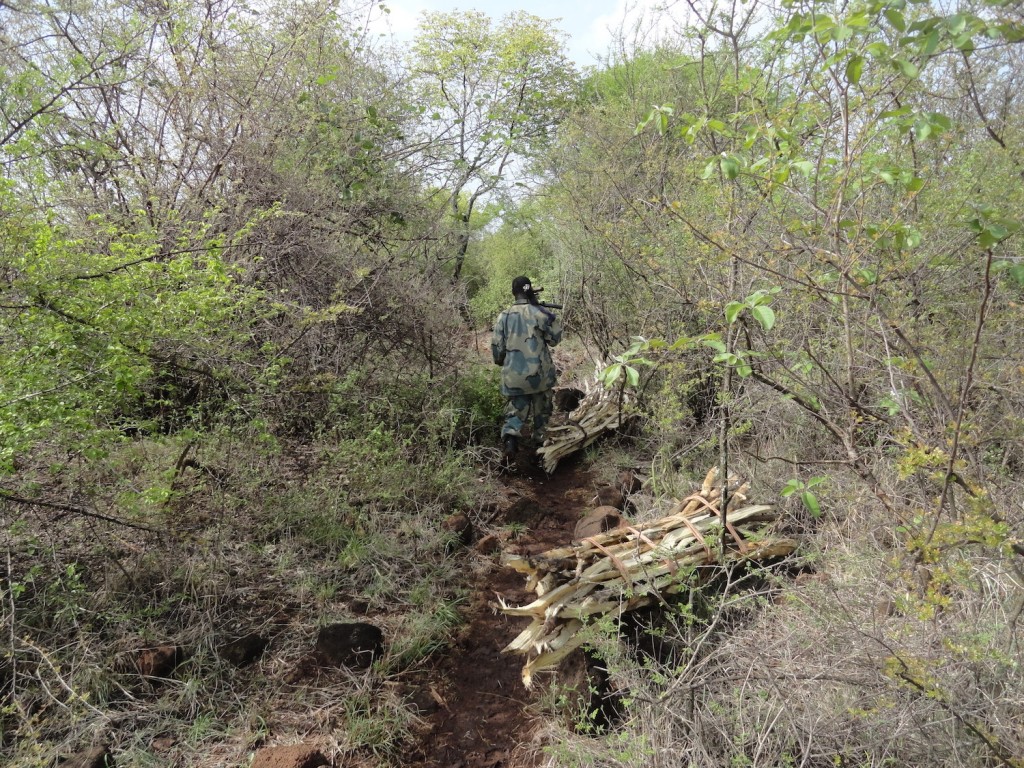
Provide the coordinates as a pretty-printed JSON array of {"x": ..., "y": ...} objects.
[
  {"x": 908, "y": 68},
  {"x": 901, "y": 112},
  {"x": 965, "y": 43},
  {"x": 806, "y": 167},
  {"x": 931, "y": 43},
  {"x": 632, "y": 376},
  {"x": 611, "y": 374},
  {"x": 895, "y": 18},
  {"x": 878, "y": 50},
  {"x": 956, "y": 23},
  {"x": 791, "y": 487},
  {"x": 1017, "y": 273},
  {"x": 744, "y": 370},
  {"x": 892, "y": 407},
  {"x": 733, "y": 310},
  {"x": 765, "y": 317},
  {"x": 823, "y": 24},
  {"x": 811, "y": 502},
  {"x": 854, "y": 69},
  {"x": 866, "y": 276},
  {"x": 730, "y": 167}
]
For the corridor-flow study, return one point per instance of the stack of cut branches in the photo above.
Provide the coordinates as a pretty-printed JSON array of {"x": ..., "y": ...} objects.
[
  {"x": 630, "y": 567},
  {"x": 601, "y": 410}
]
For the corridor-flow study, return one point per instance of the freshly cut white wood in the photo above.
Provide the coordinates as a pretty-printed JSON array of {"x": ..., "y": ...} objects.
[{"x": 631, "y": 567}]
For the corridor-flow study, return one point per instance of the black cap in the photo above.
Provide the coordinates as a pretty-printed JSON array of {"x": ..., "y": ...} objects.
[{"x": 521, "y": 285}]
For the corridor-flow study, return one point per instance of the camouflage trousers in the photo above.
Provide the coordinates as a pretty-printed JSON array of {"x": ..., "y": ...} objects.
[{"x": 522, "y": 408}]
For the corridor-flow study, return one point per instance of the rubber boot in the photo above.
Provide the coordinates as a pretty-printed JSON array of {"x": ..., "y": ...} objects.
[{"x": 510, "y": 446}]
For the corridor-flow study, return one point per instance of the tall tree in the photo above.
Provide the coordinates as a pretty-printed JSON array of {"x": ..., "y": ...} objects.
[{"x": 492, "y": 96}]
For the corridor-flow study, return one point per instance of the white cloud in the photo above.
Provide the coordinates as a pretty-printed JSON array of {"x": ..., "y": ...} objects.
[{"x": 400, "y": 21}]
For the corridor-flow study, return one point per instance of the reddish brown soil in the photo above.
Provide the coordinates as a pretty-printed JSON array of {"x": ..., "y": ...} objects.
[{"x": 482, "y": 717}]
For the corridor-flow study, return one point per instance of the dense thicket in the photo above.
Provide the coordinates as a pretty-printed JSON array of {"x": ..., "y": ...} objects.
[
  {"x": 230, "y": 340},
  {"x": 821, "y": 224},
  {"x": 242, "y": 255}
]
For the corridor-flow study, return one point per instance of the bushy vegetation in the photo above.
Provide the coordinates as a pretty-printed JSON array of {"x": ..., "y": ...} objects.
[
  {"x": 809, "y": 226},
  {"x": 242, "y": 263}
]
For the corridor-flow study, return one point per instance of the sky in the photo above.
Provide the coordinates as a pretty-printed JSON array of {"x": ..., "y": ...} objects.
[{"x": 587, "y": 22}]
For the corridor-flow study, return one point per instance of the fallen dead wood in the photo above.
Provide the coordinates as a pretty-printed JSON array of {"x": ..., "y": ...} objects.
[
  {"x": 630, "y": 567},
  {"x": 601, "y": 410}
]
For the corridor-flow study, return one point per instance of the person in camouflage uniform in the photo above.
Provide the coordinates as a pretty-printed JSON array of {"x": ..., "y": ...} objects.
[{"x": 521, "y": 342}]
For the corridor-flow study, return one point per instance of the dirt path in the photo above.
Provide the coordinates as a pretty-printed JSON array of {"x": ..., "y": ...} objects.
[{"x": 481, "y": 716}]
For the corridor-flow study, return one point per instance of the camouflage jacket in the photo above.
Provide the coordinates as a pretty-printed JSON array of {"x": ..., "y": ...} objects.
[{"x": 520, "y": 344}]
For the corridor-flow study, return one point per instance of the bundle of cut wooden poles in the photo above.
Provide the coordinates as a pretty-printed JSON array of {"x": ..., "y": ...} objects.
[
  {"x": 600, "y": 410},
  {"x": 631, "y": 567}
]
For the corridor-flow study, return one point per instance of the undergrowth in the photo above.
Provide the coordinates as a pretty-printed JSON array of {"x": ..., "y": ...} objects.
[{"x": 187, "y": 542}]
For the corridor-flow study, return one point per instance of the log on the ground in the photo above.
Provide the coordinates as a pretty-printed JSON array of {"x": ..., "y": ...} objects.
[
  {"x": 632, "y": 567},
  {"x": 600, "y": 411}
]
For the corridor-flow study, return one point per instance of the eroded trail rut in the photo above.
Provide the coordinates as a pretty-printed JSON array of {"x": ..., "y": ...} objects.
[{"x": 479, "y": 712}]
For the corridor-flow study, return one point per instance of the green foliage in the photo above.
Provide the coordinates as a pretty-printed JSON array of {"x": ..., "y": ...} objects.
[
  {"x": 425, "y": 632},
  {"x": 622, "y": 371},
  {"x": 514, "y": 249},
  {"x": 757, "y": 305},
  {"x": 380, "y": 725},
  {"x": 865, "y": 158},
  {"x": 224, "y": 352},
  {"x": 494, "y": 94},
  {"x": 809, "y": 499},
  {"x": 90, "y": 328},
  {"x": 479, "y": 404}
]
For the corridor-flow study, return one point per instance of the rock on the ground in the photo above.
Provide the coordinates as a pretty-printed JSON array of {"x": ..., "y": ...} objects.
[
  {"x": 350, "y": 644},
  {"x": 162, "y": 744},
  {"x": 488, "y": 544},
  {"x": 159, "y": 661},
  {"x": 244, "y": 650},
  {"x": 460, "y": 527},
  {"x": 609, "y": 496},
  {"x": 600, "y": 520},
  {"x": 617, "y": 494},
  {"x": 629, "y": 482},
  {"x": 296, "y": 756},
  {"x": 94, "y": 757}
]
